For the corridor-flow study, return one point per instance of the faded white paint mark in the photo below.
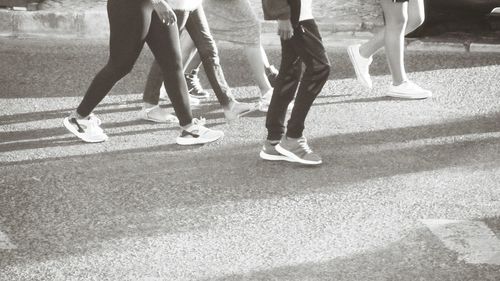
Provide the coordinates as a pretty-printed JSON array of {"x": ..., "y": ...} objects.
[
  {"x": 5, "y": 243},
  {"x": 472, "y": 240}
]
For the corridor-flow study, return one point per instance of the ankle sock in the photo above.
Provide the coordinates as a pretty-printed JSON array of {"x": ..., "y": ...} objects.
[{"x": 75, "y": 114}]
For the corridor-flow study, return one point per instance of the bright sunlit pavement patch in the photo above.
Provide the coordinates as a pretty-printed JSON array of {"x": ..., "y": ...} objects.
[
  {"x": 5, "y": 243},
  {"x": 474, "y": 242}
]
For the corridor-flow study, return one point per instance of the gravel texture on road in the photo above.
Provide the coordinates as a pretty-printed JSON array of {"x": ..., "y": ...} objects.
[{"x": 139, "y": 207}]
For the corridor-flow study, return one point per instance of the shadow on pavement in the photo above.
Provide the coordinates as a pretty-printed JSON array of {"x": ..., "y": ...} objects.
[
  {"x": 232, "y": 62},
  {"x": 21, "y": 140},
  {"x": 103, "y": 194},
  {"x": 54, "y": 76},
  {"x": 418, "y": 256},
  {"x": 62, "y": 113}
]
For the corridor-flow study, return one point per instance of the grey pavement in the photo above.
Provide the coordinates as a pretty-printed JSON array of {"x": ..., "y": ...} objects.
[{"x": 139, "y": 207}]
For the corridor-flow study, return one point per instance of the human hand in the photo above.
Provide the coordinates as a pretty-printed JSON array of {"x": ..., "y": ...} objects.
[
  {"x": 164, "y": 11},
  {"x": 285, "y": 29}
]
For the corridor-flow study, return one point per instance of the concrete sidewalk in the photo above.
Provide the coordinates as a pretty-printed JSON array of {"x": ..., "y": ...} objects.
[{"x": 88, "y": 20}]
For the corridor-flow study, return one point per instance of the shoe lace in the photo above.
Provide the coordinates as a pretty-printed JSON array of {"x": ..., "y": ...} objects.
[
  {"x": 199, "y": 121},
  {"x": 89, "y": 125},
  {"x": 194, "y": 82},
  {"x": 303, "y": 144}
]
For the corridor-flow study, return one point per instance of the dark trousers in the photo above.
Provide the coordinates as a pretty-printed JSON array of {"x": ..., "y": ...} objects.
[
  {"x": 197, "y": 26},
  {"x": 132, "y": 23},
  {"x": 305, "y": 47}
]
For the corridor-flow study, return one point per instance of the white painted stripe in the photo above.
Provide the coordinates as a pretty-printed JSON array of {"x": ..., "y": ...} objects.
[
  {"x": 5, "y": 243},
  {"x": 472, "y": 240}
]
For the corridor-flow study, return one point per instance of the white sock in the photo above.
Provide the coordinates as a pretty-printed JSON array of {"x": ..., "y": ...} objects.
[
  {"x": 187, "y": 127},
  {"x": 147, "y": 105}
]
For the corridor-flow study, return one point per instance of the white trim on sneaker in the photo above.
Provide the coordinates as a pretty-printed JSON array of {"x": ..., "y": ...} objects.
[
  {"x": 360, "y": 63},
  {"x": 147, "y": 114},
  {"x": 198, "y": 134},
  {"x": 303, "y": 146},
  {"x": 271, "y": 157},
  {"x": 86, "y": 129},
  {"x": 408, "y": 90},
  {"x": 296, "y": 158}
]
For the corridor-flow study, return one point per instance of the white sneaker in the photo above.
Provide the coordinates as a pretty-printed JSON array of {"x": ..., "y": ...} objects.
[
  {"x": 408, "y": 90},
  {"x": 198, "y": 134},
  {"x": 87, "y": 129},
  {"x": 237, "y": 109},
  {"x": 96, "y": 119},
  {"x": 157, "y": 114},
  {"x": 361, "y": 65},
  {"x": 193, "y": 101},
  {"x": 297, "y": 150}
]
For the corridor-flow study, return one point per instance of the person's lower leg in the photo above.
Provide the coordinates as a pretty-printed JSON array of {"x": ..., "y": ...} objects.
[
  {"x": 128, "y": 27},
  {"x": 311, "y": 85},
  {"x": 163, "y": 41},
  {"x": 416, "y": 16},
  {"x": 257, "y": 65},
  {"x": 154, "y": 81}
]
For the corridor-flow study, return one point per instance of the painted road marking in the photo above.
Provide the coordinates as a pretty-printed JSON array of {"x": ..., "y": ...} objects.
[
  {"x": 472, "y": 240},
  {"x": 5, "y": 243}
]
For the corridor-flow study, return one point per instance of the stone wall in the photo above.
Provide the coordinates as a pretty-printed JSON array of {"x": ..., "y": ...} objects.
[
  {"x": 332, "y": 15},
  {"x": 350, "y": 14}
]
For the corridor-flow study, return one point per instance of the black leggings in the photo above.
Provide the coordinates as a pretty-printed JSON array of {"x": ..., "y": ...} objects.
[{"x": 133, "y": 22}]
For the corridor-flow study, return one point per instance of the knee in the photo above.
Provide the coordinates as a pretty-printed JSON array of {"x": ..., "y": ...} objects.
[
  {"x": 119, "y": 70},
  {"x": 171, "y": 67},
  {"x": 397, "y": 23},
  {"x": 318, "y": 72},
  {"x": 324, "y": 69}
]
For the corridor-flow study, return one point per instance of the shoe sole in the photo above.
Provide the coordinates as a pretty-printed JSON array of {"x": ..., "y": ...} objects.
[
  {"x": 357, "y": 70},
  {"x": 72, "y": 130},
  {"x": 406, "y": 96},
  {"x": 270, "y": 157},
  {"x": 200, "y": 97},
  {"x": 193, "y": 141},
  {"x": 247, "y": 112},
  {"x": 147, "y": 118},
  {"x": 296, "y": 158},
  {"x": 241, "y": 114}
]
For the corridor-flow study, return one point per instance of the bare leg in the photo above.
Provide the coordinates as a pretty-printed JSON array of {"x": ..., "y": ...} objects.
[
  {"x": 258, "y": 61},
  {"x": 416, "y": 16},
  {"x": 393, "y": 34}
]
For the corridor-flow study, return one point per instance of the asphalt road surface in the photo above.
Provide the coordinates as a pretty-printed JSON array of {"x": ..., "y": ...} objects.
[{"x": 139, "y": 207}]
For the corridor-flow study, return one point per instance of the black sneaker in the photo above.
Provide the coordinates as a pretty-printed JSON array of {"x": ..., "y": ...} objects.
[{"x": 194, "y": 87}]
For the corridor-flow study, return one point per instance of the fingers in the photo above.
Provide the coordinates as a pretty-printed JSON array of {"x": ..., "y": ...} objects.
[
  {"x": 285, "y": 34},
  {"x": 168, "y": 18}
]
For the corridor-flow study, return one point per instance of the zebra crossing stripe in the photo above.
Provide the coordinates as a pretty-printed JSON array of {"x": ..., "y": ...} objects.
[
  {"x": 474, "y": 241},
  {"x": 5, "y": 243}
]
